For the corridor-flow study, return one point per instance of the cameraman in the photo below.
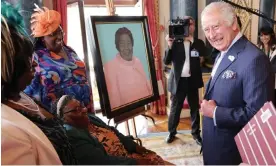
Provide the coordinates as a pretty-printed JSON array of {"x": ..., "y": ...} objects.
[{"x": 185, "y": 79}]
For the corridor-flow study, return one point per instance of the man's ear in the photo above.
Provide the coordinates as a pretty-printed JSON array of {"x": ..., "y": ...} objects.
[{"x": 235, "y": 25}]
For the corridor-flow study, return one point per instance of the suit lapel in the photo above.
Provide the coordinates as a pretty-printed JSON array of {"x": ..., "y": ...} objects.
[
  {"x": 230, "y": 57},
  {"x": 272, "y": 52},
  {"x": 224, "y": 64},
  {"x": 207, "y": 89},
  {"x": 190, "y": 49},
  {"x": 272, "y": 56}
]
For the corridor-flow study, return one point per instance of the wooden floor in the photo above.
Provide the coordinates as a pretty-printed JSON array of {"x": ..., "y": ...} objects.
[{"x": 145, "y": 125}]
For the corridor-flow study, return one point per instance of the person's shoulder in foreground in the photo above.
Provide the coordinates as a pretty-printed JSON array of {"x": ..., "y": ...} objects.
[{"x": 24, "y": 143}]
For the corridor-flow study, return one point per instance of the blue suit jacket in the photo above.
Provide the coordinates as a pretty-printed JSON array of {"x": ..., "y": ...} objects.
[{"x": 238, "y": 99}]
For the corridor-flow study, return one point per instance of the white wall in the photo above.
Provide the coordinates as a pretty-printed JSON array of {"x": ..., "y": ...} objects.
[
  {"x": 201, "y": 4},
  {"x": 255, "y": 22},
  {"x": 164, "y": 16}
]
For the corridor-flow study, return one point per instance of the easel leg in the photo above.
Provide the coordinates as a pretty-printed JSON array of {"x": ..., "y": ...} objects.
[
  {"x": 127, "y": 127},
  {"x": 135, "y": 132},
  {"x": 134, "y": 127},
  {"x": 125, "y": 117},
  {"x": 109, "y": 122},
  {"x": 147, "y": 116}
]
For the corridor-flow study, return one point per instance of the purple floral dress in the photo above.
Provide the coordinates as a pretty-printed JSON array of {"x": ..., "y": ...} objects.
[{"x": 56, "y": 76}]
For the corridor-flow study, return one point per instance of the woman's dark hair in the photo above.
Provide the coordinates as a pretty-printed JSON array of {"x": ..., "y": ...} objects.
[
  {"x": 38, "y": 44},
  {"x": 16, "y": 52},
  {"x": 119, "y": 33},
  {"x": 267, "y": 31}
]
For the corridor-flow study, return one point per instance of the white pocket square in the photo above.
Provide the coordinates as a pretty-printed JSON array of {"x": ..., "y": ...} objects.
[{"x": 229, "y": 74}]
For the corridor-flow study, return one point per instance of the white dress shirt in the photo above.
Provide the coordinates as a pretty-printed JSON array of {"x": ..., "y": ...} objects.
[
  {"x": 222, "y": 53},
  {"x": 23, "y": 143},
  {"x": 186, "y": 66}
]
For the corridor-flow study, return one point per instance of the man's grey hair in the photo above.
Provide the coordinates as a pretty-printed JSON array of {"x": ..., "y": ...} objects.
[{"x": 226, "y": 11}]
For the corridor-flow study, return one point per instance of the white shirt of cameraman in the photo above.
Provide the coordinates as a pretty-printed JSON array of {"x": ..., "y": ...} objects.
[{"x": 186, "y": 67}]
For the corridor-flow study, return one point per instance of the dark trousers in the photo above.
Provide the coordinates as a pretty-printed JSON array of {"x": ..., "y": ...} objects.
[{"x": 185, "y": 89}]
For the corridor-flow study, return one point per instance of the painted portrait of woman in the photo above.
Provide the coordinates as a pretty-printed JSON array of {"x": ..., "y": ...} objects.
[{"x": 126, "y": 78}]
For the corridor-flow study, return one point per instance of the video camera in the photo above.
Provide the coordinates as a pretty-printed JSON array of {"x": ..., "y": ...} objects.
[{"x": 179, "y": 28}]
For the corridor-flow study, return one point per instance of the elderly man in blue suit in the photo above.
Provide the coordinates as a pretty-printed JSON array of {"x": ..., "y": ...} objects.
[{"x": 241, "y": 82}]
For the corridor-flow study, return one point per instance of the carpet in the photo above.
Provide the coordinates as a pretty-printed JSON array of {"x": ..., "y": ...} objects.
[{"x": 182, "y": 151}]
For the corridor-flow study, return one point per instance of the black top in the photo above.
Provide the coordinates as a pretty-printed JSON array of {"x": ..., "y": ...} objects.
[
  {"x": 55, "y": 132},
  {"x": 89, "y": 151}
]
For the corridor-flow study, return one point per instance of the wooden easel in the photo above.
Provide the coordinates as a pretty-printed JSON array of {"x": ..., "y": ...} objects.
[
  {"x": 124, "y": 118},
  {"x": 110, "y": 7},
  {"x": 129, "y": 116},
  {"x": 139, "y": 111}
]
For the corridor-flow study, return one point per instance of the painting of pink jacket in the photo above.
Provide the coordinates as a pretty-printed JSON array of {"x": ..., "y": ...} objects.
[{"x": 125, "y": 77}]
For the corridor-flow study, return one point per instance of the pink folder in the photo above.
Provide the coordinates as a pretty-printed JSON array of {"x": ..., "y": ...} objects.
[{"x": 257, "y": 140}]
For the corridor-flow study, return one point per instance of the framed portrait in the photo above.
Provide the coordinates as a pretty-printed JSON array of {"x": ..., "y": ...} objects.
[{"x": 123, "y": 63}]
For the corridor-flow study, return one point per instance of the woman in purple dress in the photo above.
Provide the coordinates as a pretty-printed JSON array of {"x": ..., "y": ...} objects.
[{"x": 60, "y": 71}]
